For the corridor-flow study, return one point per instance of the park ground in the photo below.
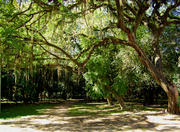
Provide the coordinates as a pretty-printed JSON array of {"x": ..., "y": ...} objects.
[{"x": 75, "y": 116}]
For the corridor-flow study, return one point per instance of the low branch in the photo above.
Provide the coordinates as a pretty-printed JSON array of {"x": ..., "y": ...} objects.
[
  {"x": 103, "y": 42},
  {"x": 57, "y": 57},
  {"x": 53, "y": 45},
  {"x": 91, "y": 50}
]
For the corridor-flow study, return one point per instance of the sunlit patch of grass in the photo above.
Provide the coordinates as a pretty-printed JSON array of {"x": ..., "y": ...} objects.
[
  {"x": 93, "y": 109},
  {"x": 18, "y": 110},
  {"x": 140, "y": 107}
]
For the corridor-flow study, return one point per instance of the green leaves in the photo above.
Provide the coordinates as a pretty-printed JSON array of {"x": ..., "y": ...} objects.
[
  {"x": 103, "y": 72},
  {"x": 7, "y": 37},
  {"x": 67, "y": 13},
  {"x": 60, "y": 1},
  {"x": 1, "y": 32},
  {"x": 120, "y": 84}
]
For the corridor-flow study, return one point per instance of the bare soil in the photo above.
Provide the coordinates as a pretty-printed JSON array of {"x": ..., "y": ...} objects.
[{"x": 57, "y": 119}]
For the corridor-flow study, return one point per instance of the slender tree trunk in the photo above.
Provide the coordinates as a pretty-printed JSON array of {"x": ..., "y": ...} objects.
[
  {"x": 118, "y": 98},
  {"x": 109, "y": 100},
  {"x": 121, "y": 102}
]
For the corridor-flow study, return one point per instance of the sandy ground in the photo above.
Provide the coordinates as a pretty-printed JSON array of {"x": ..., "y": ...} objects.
[{"x": 57, "y": 120}]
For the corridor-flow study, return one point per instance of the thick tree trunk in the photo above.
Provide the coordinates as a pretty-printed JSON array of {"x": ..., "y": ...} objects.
[
  {"x": 173, "y": 100},
  {"x": 170, "y": 89}
]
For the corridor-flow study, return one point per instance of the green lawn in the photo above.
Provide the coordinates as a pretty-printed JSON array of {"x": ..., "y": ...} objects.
[
  {"x": 18, "y": 110},
  {"x": 78, "y": 109},
  {"x": 93, "y": 109}
]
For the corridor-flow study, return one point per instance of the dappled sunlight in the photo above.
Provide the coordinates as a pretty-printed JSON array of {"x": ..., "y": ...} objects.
[
  {"x": 165, "y": 121},
  {"x": 5, "y": 128},
  {"x": 94, "y": 117}
]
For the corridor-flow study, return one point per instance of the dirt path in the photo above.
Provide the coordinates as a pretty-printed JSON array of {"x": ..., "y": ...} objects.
[{"x": 57, "y": 120}]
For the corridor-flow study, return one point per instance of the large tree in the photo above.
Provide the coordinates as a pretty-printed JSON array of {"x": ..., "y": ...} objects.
[{"x": 119, "y": 17}]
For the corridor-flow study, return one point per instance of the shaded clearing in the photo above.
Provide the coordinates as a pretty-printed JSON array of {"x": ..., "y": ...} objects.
[{"x": 81, "y": 116}]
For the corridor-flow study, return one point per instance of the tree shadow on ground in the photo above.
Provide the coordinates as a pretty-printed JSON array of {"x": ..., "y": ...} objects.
[{"x": 99, "y": 117}]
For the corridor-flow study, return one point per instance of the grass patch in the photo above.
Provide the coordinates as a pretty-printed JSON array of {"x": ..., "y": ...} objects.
[
  {"x": 93, "y": 109},
  {"x": 17, "y": 110}
]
